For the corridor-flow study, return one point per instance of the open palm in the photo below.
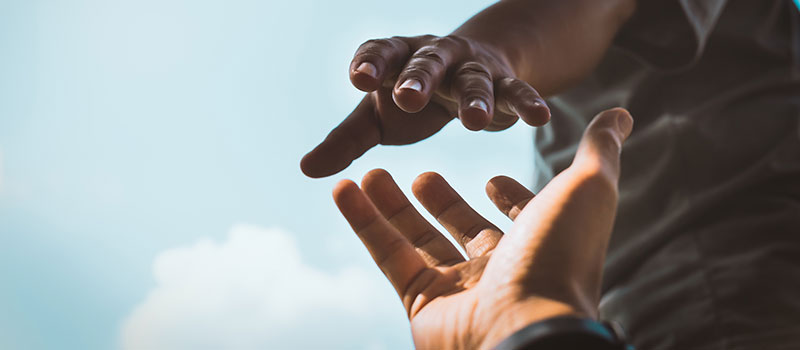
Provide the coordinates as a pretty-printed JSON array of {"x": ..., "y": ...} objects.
[{"x": 550, "y": 263}]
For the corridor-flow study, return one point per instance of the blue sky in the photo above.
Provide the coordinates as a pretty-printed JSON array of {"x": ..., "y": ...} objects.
[{"x": 141, "y": 141}]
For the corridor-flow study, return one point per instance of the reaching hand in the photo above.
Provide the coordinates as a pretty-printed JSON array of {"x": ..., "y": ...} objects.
[
  {"x": 415, "y": 86},
  {"x": 549, "y": 264}
]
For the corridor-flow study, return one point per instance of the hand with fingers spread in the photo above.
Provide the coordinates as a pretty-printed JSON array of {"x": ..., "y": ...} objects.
[
  {"x": 484, "y": 74},
  {"x": 549, "y": 264}
]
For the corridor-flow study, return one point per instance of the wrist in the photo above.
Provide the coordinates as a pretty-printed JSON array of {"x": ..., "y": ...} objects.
[
  {"x": 566, "y": 332},
  {"x": 519, "y": 315}
]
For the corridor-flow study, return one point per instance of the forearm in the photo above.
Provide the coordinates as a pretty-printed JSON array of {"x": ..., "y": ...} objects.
[{"x": 549, "y": 44}]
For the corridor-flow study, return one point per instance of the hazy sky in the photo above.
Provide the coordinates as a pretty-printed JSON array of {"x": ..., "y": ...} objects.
[{"x": 150, "y": 193}]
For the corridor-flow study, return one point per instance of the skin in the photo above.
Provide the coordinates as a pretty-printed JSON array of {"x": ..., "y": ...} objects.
[
  {"x": 506, "y": 282},
  {"x": 490, "y": 72}
]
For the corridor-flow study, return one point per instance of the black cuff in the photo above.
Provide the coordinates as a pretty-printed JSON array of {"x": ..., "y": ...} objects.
[{"x": 567, "y": 332}]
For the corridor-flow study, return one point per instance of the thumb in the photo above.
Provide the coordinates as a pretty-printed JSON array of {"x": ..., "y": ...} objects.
[
  {"x": 600, "y": 147},
  {"x": 559, "y": 239}
]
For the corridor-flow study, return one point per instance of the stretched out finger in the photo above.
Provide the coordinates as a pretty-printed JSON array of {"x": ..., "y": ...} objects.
[
  {"x": 395, "y": 207},
  {"x": 516, "y": 97},
  {"x": 508, "y": 195},
  {"x": 392, "y": 252},
  {"x": 472, "y": 87},
  {"x": 600, "y": 147},
  {"x": 569, "y": 223},
  {"x": 423, "y": 73},
  {"x": 377, "y": 60},
  {"x": 472, "y": 231},
  {"x": 355, "y": 135}
]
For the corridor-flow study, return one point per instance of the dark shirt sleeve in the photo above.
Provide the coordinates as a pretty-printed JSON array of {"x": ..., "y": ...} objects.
[{"x": 670, "y": 34}]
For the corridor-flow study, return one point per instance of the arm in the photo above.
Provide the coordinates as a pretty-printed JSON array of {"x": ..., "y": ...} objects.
[
  {"x": 484, "y": 73},
  {"x": 550, "y": 44}
]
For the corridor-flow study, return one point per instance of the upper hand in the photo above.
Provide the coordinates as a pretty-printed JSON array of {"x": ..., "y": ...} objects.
[
  {"x": 416, "y": 85},
  {"x": 550, "y": 263}
]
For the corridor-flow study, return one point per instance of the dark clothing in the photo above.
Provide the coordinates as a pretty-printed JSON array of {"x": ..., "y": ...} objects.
[
  {"x": 706, "y": 249},
  {"x": 565, "y": 332}
]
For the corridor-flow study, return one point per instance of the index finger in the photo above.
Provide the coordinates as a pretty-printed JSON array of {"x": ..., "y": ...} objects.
[{"x": 355, "y": 135}]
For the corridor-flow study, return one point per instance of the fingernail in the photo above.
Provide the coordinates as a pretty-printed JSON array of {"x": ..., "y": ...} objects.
[
  {"x": 479, "y": 104},
  {"x": 368, "y": 69},
  {"x": 412, "y": 84}
]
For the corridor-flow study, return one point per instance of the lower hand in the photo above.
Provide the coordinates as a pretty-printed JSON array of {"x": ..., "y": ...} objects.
[{"x": 549, "y": 264}]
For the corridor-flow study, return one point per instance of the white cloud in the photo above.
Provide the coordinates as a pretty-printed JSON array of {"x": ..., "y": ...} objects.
[{"x": 254, "y": 291}]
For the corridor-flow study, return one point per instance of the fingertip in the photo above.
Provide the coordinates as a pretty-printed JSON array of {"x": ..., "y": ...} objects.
[
  {"x": 504, "y": 186},
  {"x": 424, "y": 180},
  {"x": 353, "y": 204},
  {"x": 624, "y": 121},
  {"x": 508, "y": 195},
  {"x": 307, "y": 166},
  {"x": 617, "y": 118},
  {"x": 475, "y": 116},
  {"x": 374, "y": 177},
  {"x": 409, "y": 96},
  {"x": 535, "y": 113},
  {"x": 315, "y": 166},
  {"x": 344, "y": 190},
  {"x": 433, "y": 192},
  {"x": 364, "y": 76},
  {"x": 493, "y": 183},
  {"x": 491, "y": 187},
  {"x": 495, "y": 194}
]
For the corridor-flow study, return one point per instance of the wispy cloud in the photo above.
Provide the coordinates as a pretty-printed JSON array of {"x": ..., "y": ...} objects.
[{"x": 255, "y": 291}]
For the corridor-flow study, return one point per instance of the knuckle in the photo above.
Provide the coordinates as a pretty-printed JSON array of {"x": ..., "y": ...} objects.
[
  {"x": 474, "y": 69},
  {"x": 471, "y": 92},
  {"x": 465, "y": 44},
  {"x": 427, "y": 37},
  {"x": 449, "y": 41},
  {"x": 425, "y": 238},
  {"x": 396, "y": 43},
  {"x": 416, "y": 71},
  {"x": 374, "y": 43},
  {"x": 473, "y": 80},
  {"x": 460, "y": 43},
  {"x": 429, "y": 55},
  {"x": 381, "y": 47},
  {"x": 372, "y": 49}
]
